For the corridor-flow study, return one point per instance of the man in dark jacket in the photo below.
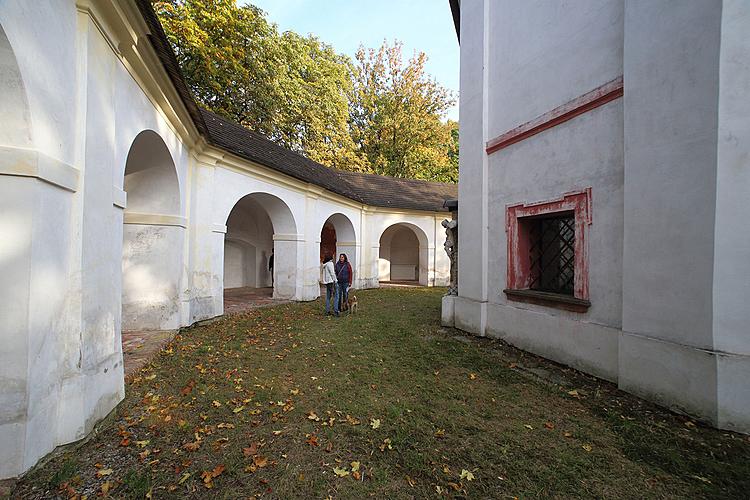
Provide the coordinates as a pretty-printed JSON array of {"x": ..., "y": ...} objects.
[{"x": 344, "y": 276}]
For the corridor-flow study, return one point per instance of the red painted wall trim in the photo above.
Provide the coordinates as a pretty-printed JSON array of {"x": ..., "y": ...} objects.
[{"x": 591, "y": 100}]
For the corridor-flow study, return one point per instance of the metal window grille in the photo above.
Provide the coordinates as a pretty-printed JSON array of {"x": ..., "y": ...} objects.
[{"x": 552, "y": 253}]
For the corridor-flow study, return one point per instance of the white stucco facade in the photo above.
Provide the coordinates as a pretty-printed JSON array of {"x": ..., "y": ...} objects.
[
  {"x": 642, "y": 105},
  {"x": 115, "y": 214}
]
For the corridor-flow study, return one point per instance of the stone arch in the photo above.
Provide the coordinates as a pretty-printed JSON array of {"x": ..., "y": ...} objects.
[
  {"x": 153, "y": 236},
  {"x": 260, "y": 225},
  {"x": 339, "y": 227},
  {"x": 14, "y": 104},
  {"x": 404, "y": 254},
  {"x": 150, "y": 177}
]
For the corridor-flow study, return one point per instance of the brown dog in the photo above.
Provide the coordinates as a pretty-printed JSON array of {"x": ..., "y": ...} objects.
[{"x": 351, "y": 304}]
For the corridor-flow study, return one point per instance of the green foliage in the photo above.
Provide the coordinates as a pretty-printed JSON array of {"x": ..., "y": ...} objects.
[
  {"x": 378, "y": 116},
  {"x": 396, "y": 116}
]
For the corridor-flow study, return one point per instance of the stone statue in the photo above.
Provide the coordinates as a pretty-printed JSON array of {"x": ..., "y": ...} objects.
[{"x": 451, "y": 248}]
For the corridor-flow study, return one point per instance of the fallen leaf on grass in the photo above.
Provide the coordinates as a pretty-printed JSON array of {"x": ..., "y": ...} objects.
[
  {"x": 375, "y": 423},
  {"x": 103, "y": 472},
  {"x": 454, "y": 486},
  {"x": 225, "y": 426},
  {"x": 574, "y": 393},
  {"x": 587, "y": 447},
  {"x": 142, "y": 444},
  {"x": 184, "y": 477},
  {"x": 386, "y": 444},
  {"x": 549, "y": 425},
  {"x": 701, "y": 478},
  {"x": 355, "y": 466},
  {"x": 251, "y": 450},
  {"x": 465, "y": 474},
  {"x": 440, "y": 433},
  {"x": 568, "y": 434},
  {"x": 352, "y": 421},
  {"x": 238, "y": 409},
  {"x": 410, "y": 481},
  {"x": 312, "y": 440},
  {"x": 192, "y": 446},
  {"x": 260, "y": 461},
  {"x": 188, "y": 388},
  {"x": 208, "y": 476},
  {"x": 106, "y": 486},
  {"x": 472, "y": 376},
  {"x": 340, "y": 472},
  {"x": 529, "y": 427}
]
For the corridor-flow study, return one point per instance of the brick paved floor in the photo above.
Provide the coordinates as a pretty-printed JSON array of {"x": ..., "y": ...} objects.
[
  {"x": 139, "y": 347},
  {"x": 243, "y": 299}
]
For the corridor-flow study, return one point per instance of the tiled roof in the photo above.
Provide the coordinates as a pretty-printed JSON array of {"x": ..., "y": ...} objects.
[
  {"x": 370, "y": 189},
  {"x": 374, "y": 190}
]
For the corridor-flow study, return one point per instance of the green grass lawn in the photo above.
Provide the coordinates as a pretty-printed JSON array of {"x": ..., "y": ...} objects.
[{"x": 284, "y": 402}]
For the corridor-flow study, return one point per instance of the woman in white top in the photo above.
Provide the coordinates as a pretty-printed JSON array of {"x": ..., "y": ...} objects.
[{"x": 328, "y": 278}]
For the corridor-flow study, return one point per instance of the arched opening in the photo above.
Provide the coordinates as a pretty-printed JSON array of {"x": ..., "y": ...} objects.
[
  {"x": 403, "y": 256},
  {"x": 260, "y": 251},
  {"x": 336, "y": 237},
  {"x": 153, "y": 236}
]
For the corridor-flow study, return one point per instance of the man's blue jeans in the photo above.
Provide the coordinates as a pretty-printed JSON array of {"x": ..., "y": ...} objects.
[
  {"x": 331, "y": 296},
  {"x": 342, "y": 294}
]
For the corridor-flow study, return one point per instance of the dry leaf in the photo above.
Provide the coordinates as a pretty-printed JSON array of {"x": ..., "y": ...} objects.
[
  {"x": 103, "y": 472},
  {"x": 549, "y": 425},
  {"x": 465, "y": 474},
  {"x": 188, "y": 388},
  {"x": 355, "y": 466},
  {"x": 340, "y": 472},
  {"x": 192, "y": 446},
  {"x": 440, "y": 433},
  {"x": 375, "y": 423},
  {"x": 260, "y": 461},
  {"x": 472, "y": 376},
  {"x": 587, "y": 447}
]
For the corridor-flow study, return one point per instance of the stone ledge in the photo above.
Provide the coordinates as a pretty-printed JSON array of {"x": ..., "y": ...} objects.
[
  {"x": 548, "y": 299},
  {"x": 31, "y": 163}
]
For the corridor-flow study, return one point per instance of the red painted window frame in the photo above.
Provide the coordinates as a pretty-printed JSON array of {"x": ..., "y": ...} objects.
[{"x": 519, "y": 272}]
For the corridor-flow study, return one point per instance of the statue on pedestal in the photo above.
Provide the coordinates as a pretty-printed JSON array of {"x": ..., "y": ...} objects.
[{"x": 451, "y": 248}]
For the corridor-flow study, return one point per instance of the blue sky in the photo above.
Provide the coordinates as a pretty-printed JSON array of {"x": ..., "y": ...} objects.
[{"x": 422, "y": 25}]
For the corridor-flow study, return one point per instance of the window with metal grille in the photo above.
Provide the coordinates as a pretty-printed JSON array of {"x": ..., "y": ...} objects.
[{"x": 552, "y": 253}]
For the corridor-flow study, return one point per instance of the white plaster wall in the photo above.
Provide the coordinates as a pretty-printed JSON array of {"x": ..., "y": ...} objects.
[
  {"x": 472, "y": 182},
  {"x": 731, "y": 244},
  {"x": 581, "y": 49},
  {"x": 62, "y": 209},
  {"x": 671, "y": 97},
  {"x": 544, "y": 54},
  {"x": 667, "y": 253}
]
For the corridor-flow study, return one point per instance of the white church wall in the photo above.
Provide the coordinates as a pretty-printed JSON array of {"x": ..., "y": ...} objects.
[
  {"x": 731, "y": 265},
  {"x": 585, "y": 152},
  {"x": 667, "y": 267},
  {"x": 683, "y": 274}
]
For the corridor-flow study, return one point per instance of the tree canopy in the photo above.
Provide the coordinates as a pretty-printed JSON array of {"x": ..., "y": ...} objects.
[{"x": 377, "y": 114}]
